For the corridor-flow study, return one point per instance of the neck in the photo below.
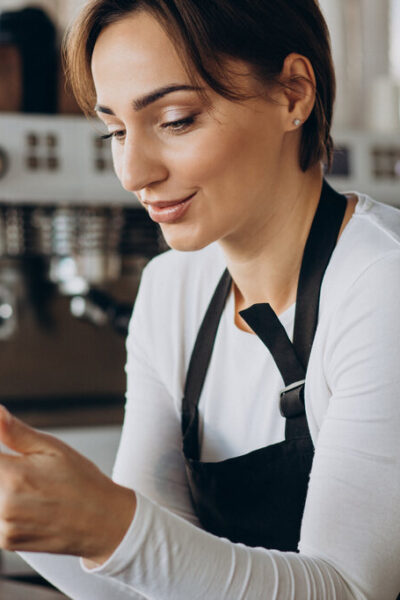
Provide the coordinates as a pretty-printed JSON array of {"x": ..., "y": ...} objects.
[{"x": 264, "y": 261}]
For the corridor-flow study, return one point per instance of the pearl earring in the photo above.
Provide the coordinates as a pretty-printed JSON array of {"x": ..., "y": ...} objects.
[{"x": 297, "y": 122}]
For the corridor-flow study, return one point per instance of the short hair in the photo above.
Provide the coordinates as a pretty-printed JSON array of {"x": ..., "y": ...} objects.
[{"x": 207, "y": 32}]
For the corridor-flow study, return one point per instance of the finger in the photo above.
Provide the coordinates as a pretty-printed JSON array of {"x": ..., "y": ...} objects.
[{"x": 21, "y": 438}]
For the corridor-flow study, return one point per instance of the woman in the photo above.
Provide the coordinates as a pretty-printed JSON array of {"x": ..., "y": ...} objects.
[{"x": 219, "y": 115}]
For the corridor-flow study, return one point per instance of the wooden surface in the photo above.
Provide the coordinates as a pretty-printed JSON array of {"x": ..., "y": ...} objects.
[
  {"x": 11, "y": 590},
  {"x": 69, "y": 416}
]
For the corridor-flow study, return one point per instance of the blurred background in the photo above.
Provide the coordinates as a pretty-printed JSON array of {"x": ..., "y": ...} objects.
[
  {"x": 73, "y": 243},
  {"x": 72, "y": 248}
]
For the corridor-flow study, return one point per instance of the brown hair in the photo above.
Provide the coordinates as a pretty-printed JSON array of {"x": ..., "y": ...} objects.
[{"x": 260, "y": 32}]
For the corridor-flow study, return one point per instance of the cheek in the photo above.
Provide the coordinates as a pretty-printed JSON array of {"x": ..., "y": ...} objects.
[{"x": 216, "y": 159}]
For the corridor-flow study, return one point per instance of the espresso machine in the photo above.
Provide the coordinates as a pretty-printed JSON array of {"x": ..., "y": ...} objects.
[{"x": 73, "y": 244}]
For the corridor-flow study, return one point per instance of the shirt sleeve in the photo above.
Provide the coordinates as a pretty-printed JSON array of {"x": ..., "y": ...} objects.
[
  {"x": 350, "y": 541},
  {"x": 66, "y": 574},
  {"x": 149, "y": 458},
  {"x": 352, "y": 513}
]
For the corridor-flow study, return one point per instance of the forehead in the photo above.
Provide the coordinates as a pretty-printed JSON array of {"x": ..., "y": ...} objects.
[{"x": 135, "y": 52}]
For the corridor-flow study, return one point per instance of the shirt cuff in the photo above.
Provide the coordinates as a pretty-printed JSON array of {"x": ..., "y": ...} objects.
[{"x": 131, "y": 542}]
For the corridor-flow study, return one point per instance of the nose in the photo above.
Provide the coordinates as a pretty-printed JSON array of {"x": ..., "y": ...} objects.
[{"x": 138, "y": 164}]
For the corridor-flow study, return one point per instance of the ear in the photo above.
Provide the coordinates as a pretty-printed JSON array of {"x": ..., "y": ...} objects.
[{"x": 299, "y": 89}]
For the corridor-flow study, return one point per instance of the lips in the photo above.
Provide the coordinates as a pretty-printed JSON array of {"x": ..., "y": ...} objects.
[
  {"x": 166, "y": 203},
  {"x": 168, "y": 211}
]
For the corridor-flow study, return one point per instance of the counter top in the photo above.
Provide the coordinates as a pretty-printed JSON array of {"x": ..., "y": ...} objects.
[
  {"x": 68, "y": 412},
  {"x": 18, "y": 581},
  {"x": 12, "y": 590}
]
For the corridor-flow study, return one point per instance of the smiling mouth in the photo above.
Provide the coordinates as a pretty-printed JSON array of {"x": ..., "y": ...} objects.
[
  {"x": 168, "y": 211},
  {"x": 166, "y": 203}
]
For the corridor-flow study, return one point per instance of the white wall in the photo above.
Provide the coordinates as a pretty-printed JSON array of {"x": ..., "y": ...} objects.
[
  {"x": 361, "y": 41},
  {"x": 395, "y": 39}
]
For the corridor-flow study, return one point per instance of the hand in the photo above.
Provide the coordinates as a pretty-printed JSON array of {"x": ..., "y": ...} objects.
[{"x": 53, "y": 499}]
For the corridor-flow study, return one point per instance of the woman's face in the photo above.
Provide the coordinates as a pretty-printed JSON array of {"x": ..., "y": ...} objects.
[{"x": 203, "y": 171}]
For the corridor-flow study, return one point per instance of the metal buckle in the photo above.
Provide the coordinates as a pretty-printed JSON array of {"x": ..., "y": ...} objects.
[
  {"x": 292, "y": 404},
  {"x": 292, "y": 386}
]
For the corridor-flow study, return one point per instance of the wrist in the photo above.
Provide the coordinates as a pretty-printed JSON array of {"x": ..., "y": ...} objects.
[{"x": 120, "y": 513}]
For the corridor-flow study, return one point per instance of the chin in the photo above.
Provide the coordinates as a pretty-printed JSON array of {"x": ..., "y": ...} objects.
[{"x": 185, "y": 241}]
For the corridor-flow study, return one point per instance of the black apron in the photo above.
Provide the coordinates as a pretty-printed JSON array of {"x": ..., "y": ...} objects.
[{"x": 258, "y": 498}]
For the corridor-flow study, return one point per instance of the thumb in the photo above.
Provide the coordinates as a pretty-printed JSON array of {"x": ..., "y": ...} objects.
[{"x": 19, "y": 437}]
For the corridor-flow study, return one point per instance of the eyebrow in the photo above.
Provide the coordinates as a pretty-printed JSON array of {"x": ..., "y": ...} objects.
[{"x": 144, "y": 101}]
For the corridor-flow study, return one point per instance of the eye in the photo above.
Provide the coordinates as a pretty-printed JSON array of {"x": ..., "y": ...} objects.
[
  {"x": 180, "y": 125},
  {"x": 119, "y": 135}
]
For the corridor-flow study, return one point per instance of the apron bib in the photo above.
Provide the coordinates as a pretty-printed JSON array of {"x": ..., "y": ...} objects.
[{"x": 258, "y": 498}]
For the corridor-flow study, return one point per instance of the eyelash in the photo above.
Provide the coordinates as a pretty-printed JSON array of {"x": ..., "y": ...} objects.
[
  {"x": 113, "y": 134},
  {"x": 178, "y": 126}
]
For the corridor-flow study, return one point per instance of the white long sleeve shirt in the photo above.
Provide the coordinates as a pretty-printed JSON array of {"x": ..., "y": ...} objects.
[{"x": 350, "y": 537}]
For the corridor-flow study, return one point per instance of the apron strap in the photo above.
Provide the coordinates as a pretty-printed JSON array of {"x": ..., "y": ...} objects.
[
  {"x": 291, "y": 359},
  {"x": 267, "y": 326},
  {"x": 202, "y": 351},
  {"x": 319, "y": 247}
]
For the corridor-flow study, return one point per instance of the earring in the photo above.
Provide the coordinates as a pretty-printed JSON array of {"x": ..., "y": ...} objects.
[{"x": 297, "y": 122}]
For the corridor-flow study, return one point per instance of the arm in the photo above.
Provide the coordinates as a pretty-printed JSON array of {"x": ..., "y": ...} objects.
[
  {"x": 355, "y": 483},
  {"x": 66, "y": 574},
  {"x": 350, "y": 536},
  {"x": 148, "y": 460},
  {"x": 350, "y": 544}
]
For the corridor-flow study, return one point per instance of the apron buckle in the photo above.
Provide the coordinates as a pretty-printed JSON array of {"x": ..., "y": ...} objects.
[{"x": 292, "y": 400}]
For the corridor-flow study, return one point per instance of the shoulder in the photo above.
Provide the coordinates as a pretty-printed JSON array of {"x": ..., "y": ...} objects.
[
  {"x": 175, "y": 290},
  {"x": 375, "y": 224},
  {"x": 367, "y": 254},
  {"x": 360, "y": 318},
  {"x": 380, "y": 216},
  {"x": 356, "y": 349}
]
